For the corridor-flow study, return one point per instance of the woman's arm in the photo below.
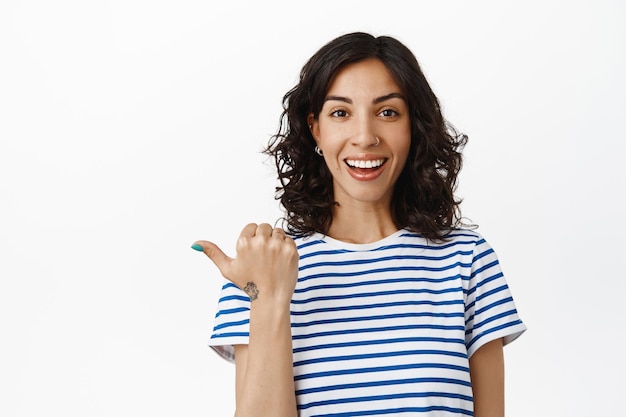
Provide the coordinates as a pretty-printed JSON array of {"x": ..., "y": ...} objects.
[
  {"x": 266, "y": 268},
  {"x": 487, "y": 374},
  {"x": 264, "y": 367}
]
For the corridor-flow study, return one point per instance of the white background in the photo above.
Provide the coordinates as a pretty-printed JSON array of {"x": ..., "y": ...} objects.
[{"x": 130, "y": 129}]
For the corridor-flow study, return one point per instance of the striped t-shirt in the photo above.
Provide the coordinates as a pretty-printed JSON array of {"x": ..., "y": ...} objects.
[{"x": 386, "y": 328}]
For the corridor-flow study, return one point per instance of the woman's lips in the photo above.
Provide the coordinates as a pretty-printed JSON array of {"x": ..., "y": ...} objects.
[
  {"x": 365, "y": 163},
  {"x": 365, "y": 169}
]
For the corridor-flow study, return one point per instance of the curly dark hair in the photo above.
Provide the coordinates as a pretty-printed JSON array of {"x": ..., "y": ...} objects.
[{"x": 423, "y": 199}]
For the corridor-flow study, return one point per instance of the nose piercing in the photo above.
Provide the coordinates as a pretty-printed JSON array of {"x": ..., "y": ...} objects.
[{"x": 377, "y": 141}]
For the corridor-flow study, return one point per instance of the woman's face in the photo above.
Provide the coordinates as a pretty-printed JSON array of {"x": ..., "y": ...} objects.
[{"x": 362, "y": 104}]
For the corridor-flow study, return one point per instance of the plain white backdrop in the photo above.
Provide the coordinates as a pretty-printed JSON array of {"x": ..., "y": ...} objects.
[{"x": 130, "y": 129}]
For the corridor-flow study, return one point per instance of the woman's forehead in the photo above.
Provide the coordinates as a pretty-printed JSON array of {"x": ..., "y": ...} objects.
[{"x": 364, "y": 78}]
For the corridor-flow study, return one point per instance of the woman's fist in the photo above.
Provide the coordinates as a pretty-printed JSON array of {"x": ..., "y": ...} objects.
[{"x": 266, "y": 264}]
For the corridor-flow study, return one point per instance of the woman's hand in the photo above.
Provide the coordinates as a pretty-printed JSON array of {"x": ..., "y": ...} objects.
[{"x": 266, "y": 264}]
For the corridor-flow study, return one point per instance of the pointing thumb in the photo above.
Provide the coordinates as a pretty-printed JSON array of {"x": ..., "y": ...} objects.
[{"x": 215, "y": 254}]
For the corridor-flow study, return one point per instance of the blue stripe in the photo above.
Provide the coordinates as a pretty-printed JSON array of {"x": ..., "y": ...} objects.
[
  {"x": 487, "y": 280},
  {"x": 427, "y": 247},
  {"x": 469, "y": 322},
  {"x": 377, "y": 294},
  {"x": 494, "y": 329},
  {"x": 325, "y": 252},
  {"x": 379, "y": 305},
  {"x": 379, "y": 355},
  {"x": 453, "y": 233},
  {"x": 231, "y": 324},
  {"x": 491, "y": 292},
  {"x": 234, "y": 297},
  {"x": 492, "y": 305},
  {"x": 378, "y": 342},
  {"x": 382, "y": 369},
  {"x": 382, "y": 259},
  {"x": 406, "y": 280},
  {"x": 399, "y": 411},
  {"x": 311, "y": 243},
  {"x": 480, "y": 241},
  {"x": 484, "y": 268},
  {"x": 379, "y": 270},
  {"x": 377, "y": 329},
  {"x": 368, "y": 384},
  {"x": 477, "y": 326},
  {"x": 385, "y": 397},
  {"x": 231, "y": 311},
  {"x": 321, "y": 242},
  {"x": 233, "y": 334},
  {"x": 485, "y": 308},
  {"x": 379, "y": 317},
  {"x": 480, "y": 297},
  {"x": 466, "y": 233},
  {"x": 481, "y": 255}
]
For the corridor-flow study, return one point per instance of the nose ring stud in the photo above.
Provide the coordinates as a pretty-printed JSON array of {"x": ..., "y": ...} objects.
[{"x": 377, "y": 141}]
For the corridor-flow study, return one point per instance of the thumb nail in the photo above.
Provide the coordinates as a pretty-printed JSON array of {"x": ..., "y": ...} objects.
[{"x": 197, "y": 247}]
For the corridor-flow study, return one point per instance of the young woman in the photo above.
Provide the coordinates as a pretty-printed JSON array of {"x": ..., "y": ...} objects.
[{"x": 376, "y": 301}]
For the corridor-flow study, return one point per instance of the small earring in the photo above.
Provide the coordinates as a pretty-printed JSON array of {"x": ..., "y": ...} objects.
[
  {"x": 377, "y": 141},
  {"x": 318, "y": 151}
]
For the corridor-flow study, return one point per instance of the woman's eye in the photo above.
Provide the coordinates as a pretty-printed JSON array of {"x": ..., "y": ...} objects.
[
  {"x": 339, "y": 113},
  {"x": 388, "y": 113}
]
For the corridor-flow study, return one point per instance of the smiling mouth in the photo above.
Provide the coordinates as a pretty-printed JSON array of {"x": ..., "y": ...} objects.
[{"x": 365, "y": 164}]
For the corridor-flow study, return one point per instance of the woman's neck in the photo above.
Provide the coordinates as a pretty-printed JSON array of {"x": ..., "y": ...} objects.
[{"x": 361, "y": 223}]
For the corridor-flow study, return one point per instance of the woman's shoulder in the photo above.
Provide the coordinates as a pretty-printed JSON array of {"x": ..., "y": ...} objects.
[
  {"x": 447, "y": 237},
  {"x": 319, "y": 241},
  {"x": 464, "y": 234}
]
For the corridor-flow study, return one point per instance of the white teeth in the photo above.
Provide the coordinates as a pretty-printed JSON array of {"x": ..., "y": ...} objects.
[{"x": 365, "y": 164}]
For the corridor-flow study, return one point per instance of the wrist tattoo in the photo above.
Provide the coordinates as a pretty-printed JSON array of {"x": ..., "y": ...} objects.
[{"x": 252, "y": 290}]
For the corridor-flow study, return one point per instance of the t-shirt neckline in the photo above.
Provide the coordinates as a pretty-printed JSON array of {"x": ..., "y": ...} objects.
[{"x": 357, "y": 247}]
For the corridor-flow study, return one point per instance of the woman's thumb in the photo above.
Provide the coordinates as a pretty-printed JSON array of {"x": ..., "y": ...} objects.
[{"x": 215, "y": 254}]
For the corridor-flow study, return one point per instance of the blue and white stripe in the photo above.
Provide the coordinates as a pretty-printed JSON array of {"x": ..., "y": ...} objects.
[{"x": 386, "y": 328}]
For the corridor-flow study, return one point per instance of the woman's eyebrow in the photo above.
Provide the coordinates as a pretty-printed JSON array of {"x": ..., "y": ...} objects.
[
  {"x": 388, "y": 97},
  {"x": 338, "y": 98},
  {"x": 375, "y": 101}
]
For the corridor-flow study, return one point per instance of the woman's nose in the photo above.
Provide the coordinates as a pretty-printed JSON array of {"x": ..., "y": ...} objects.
[{"x": 365, "y": 135}]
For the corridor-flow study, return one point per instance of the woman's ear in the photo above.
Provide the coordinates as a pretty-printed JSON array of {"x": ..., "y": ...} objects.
[{"x": 313, "y": 124}]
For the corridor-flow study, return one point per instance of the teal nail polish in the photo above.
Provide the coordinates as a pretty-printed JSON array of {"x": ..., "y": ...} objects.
[{"x": 197, "y": 247}]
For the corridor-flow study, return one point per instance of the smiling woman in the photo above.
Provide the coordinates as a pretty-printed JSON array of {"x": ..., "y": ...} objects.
[
  {"x": 377, "y": 301},
  {"x": 328, "y": 104},
  {"x": 363, "y": 105}
]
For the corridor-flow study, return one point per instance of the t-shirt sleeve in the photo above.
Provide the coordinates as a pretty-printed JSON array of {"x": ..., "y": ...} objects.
[
  {"x": 232, "y": 321},
  {"x": 490, "y": 311}
]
